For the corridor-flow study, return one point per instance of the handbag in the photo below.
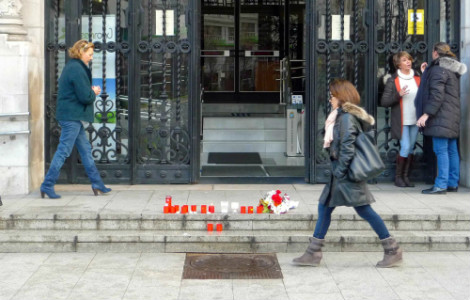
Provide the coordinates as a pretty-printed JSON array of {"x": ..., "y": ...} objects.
[{"x": 366, "y": 163}]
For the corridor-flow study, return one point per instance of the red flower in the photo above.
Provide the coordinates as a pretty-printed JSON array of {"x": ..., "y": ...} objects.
[{"x": 277, "y": 199}]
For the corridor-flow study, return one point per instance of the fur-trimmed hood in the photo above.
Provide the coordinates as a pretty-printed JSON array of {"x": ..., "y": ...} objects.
[
  {"x": 358, "y": 112},
  {"x": 452, "y": 65}
]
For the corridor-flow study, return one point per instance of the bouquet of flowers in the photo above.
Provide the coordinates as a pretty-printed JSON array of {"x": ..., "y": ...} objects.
[{"x": 275, "y": 202}]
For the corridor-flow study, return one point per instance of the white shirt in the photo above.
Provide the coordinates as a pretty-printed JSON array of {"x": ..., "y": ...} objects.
[{"x": 409, "y": 109}]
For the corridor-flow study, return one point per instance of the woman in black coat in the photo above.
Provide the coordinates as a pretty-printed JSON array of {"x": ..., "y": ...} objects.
[
  {"x": 439, "y": 102},
  {"x": 340, "y": 191}
]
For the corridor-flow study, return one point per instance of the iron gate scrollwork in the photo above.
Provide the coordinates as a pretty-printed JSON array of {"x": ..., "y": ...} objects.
[
  {"x": 141, "y": 132},
  {"x": 355, "y": 40}
]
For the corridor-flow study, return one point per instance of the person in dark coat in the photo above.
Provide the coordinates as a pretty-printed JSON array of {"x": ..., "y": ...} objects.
[
  {"x": 399, "y": 94},
  {"x": 340, "y": 191},
  {"x": 439, "y": 100},
  {"x": 75, "y": 101}
]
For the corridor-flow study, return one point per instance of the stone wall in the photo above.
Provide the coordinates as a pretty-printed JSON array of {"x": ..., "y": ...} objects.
[
  {"x": 21, "y": 95},
  {"x": 465, "y": 96}
]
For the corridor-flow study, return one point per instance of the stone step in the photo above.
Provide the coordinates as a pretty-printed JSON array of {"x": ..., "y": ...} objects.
[
  {"x": 250, "y": 241},
  {"x": 231, "y": 222}
]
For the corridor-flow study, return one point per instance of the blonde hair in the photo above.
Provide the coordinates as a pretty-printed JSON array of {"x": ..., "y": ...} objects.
[
  {"x": 443, "y": 49},
  {"x": 82, "y": 45},
  {"x": 344, "y": 91},
  {"x": 397, "y": 57}
]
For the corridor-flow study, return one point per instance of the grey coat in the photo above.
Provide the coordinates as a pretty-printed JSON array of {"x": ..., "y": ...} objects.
[{"x": 340, "y": 191}]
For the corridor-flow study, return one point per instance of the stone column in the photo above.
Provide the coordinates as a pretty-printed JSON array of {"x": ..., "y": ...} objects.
[
  {"x": 11, "y": 22},
  {"x": 465, "y": 95},
  {"x": 14, "y": 100}
]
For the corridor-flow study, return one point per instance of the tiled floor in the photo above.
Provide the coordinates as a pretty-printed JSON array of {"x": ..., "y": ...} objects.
[{"x": 341, "y": 276}]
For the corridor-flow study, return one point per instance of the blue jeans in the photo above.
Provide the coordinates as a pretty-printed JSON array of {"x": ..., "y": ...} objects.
[
  {"x": 72, "y": 134},
  {"x": 448, "y": 162},
  {"x": 408, "y": 139},
  {"x": 366, "y": 212}
]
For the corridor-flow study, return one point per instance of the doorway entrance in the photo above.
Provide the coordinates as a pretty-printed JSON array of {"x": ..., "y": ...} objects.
[{"x": 247, "y": 49}]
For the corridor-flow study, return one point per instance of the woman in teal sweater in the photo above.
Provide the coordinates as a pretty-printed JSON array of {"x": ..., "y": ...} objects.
[{"x": 74, "y": 111}]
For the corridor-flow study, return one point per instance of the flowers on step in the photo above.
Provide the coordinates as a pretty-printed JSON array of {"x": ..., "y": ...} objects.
[{"x": 276, "y": 202}]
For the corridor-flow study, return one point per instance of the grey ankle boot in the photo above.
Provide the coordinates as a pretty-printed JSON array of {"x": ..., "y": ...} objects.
[
  {"x": 312, "y": 255},
  {"x": 393, "y": 254}
]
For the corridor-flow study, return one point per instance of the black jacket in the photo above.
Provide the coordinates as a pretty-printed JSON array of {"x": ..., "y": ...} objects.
[
  {"x": 340, "y": 191},
  {"x": 391, "y": 98},
  {"x": 440, "y": 97}
]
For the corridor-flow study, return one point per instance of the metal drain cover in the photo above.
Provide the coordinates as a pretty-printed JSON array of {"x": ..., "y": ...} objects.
[{"x": 231, "y": 266}]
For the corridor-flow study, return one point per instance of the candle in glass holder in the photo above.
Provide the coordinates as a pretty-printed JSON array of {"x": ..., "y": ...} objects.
[
  {"x": 210, "y": 227},
  {"x": 260, "y": 209},
  {"x": 219, "y": 227},
  {"x": 173, "y": 209},
  {"x": 166, "y": 209},
  {"x": 168, "y": 200},
  {"x": 243, "y": 209},
  {"x": 194, "y": 209},
  {"x": 184, "y": 209},
  {"x": 250, "y": 209},
  {"x": 177, "y": 208},
  {"x": 211, "y": 209},
  {"x": 203, "y": 209}
]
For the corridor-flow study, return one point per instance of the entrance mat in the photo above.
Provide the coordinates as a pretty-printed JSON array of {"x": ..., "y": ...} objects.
[
  {"x": 231, "y": 266},
  {"x": 233, "y": 171},
  {"x": 285, "y": 171},
  {"x": 234, "y": 158}
]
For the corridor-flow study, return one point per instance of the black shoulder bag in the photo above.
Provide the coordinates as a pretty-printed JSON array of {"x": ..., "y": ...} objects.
[{"x": 366, "y": 163}]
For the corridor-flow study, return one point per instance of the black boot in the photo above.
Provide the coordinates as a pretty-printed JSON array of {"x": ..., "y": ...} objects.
[
  {"x": 399, "y": 171},
  {"x": 312, "y": 255},
  {"x": 407, "y": 170}
]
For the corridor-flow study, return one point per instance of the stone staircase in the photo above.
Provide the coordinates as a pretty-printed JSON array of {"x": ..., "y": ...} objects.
[{"x": 242, "y": 233}]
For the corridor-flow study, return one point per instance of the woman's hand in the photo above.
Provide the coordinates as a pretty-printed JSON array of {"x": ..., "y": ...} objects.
[
  {"x": 404, "y": 91},
  {"x": 422, "y": 120},
  {"x": 423, "y": 66},
  {"x": 96, "y": 89}
]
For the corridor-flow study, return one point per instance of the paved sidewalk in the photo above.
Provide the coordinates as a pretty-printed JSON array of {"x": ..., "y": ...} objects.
[
  {"x": 341, "y": 276},
  {"x": 131, "y": 276},
  {"x": 149, "y": 199}
]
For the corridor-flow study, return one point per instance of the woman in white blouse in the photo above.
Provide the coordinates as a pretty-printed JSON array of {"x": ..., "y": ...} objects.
[{"x": 399, "y": 94}]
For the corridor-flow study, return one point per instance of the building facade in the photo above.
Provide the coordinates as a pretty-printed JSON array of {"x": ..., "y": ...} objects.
[{"x": 211, "y": 90}]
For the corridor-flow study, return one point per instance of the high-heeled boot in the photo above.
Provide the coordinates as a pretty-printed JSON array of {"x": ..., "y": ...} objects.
[
  {"x": 49, "y": 191},
  {"x": 100, "y": 189},
  {"x": 312, "y": 255},
  {"x": 393, "y": 254},
  {"x": 407, "y": 171},
  {"x": 399, "y": 171}
]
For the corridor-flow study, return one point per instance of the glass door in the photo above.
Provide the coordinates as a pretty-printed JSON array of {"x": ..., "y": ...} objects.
[{"x": 241, "y": 51}]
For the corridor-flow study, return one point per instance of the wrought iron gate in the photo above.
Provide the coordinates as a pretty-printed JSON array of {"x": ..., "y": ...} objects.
[
  {"x": 147, "y": 62},
  {"x": 142, "y": 129},
  {"x": 354, "y": 40}
]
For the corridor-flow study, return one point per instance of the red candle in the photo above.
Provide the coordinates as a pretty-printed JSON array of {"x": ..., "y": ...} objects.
[
  {"x": 177, "y": 208},
  {"x": 166, "y": 209},
  {"x": 211, "y": 209},
  {"x": 219, "y": 227},
  {"x": 168, "y": 200},
  {"x": 210, "y": 227},
  {"x": 250, "y": 209},
  {"x": 203, "y": 209},
  {"x": 243, "y": 209},
  {"x": 260, "y": 209},
  {"x": 172, "y": 209},
  {"x": 184, "y": 209},
  {"x": 194, "y": 208}
]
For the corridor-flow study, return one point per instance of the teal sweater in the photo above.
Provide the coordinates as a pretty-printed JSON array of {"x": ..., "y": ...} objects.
[{"x": 76, "y": 97}]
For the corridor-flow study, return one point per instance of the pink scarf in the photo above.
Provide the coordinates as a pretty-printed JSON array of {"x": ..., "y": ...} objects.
[{"x": 329, "y": 124}]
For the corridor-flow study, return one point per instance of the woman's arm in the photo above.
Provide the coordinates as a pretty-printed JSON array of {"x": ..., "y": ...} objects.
[
  {"x": 348, "y": 134},
  {"x": 82, "y": 87},
  {"x": 390, "y": 96}
]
